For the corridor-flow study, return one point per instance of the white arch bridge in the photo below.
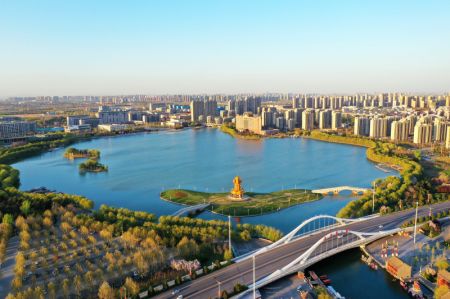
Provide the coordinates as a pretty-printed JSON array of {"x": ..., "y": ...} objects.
[
  {"x": 310, "y": 226},
  {"x": 338, "y": 189},
  {"x": 336, "y": 240}
]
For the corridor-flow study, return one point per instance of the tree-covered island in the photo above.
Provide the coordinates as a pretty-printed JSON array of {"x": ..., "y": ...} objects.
[
  {"x": 74, "y": 153},
  {"x": 92, "y": 165}
]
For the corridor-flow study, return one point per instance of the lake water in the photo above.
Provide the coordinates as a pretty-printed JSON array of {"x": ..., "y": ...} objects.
[{"x": 142, "y": 165}]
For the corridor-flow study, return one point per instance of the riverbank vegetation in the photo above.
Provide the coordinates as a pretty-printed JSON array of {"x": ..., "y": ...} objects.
[
  {"x": 67, "y": 249},
  {"x": 254, "y": 204},
  {"x": 118, "y": 247},
  {"x": 92, "y": 165},
  {"x": 392, "y": 193},
  {"x": 231, "y": 130},
  {"x": 74, "y": 153},
  {"x": 9, "y": 155}
]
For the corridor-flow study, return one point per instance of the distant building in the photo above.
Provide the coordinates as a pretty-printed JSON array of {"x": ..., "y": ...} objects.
[
  {"x": 399, "y": 130},
  {"x": 325, "y": 119},
  {"x": 308, "y": 119},
  {"x": 295, "y": 102},
  {"x": 336, "y": 120},
  {"x": 397, "y": 268},
  {"x": 75, "y": 120},
  {"x": 112, "y": 127},
  {"x": 156, "y": 106},
  {"x": 447, "y": 142},
  {"x": 16, "y": 129},
  {"x": 248, "y": 122},
  {"x": 378, "y": 127},
  {"x": 77, "y": 128},
  {"x": 201, "y": 109},
  {"x": 423, "y": 133},
  {"x": 112, "y": 117},
  {"x": 362, "y": 126},
  {"x": 440, "y": 130}
]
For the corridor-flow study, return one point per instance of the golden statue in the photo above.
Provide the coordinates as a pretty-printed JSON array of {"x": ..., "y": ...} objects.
[{"x": 237, "y": 192}]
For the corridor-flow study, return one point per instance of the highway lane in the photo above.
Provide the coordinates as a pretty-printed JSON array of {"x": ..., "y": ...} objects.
[{"x": 268, "y": 262}]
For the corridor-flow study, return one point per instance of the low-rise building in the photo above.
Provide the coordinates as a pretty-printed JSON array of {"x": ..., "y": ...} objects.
[
  {"x": 443, "y": 278},
  {"x": 248, "y": 122},
  {"x": 77, "y": 129},
  {"x": 113, "y": 127},
  {"x": 397, "y": 268},
  {"x": 16, "y": 129}
]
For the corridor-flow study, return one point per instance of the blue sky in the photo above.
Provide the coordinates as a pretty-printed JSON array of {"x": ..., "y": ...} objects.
[{"x": 152, "y": 47}]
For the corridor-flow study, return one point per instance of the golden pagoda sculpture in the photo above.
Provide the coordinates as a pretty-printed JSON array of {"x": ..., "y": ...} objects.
[{"x": 237, "y": 192}]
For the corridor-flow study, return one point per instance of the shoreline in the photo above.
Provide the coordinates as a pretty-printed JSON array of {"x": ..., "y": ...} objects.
[
  {"x": 259, "y": 203},
  {"x": 268, "y": 213}
]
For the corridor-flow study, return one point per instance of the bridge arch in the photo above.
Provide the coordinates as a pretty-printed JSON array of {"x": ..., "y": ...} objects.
[
  {"x": 287, "y": 238},
  {"x": 336, "y": 190}
]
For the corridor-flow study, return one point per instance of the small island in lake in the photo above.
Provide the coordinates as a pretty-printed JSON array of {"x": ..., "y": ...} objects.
[
  {"x": 74, "y": 153},
  {"x": 240, "y": 203},
  {"x": 92, "y": 165}
]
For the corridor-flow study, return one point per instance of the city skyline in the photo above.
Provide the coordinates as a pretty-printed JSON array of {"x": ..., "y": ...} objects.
[{"x": 172, "y": 47}]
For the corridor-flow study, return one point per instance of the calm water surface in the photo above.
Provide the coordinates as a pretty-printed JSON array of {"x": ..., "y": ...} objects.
[{"x": 142, "y": 165}]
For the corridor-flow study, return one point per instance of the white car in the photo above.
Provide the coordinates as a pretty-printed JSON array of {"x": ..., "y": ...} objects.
[{"x": 180, "y": 297}]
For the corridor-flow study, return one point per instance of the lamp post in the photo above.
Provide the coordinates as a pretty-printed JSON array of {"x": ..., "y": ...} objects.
[
  {"x": 218, "y": 284},
  {"x": 254, "y": 278},
  {"x": 229, "y": 234},
  {"x": 373, "y": 197}
]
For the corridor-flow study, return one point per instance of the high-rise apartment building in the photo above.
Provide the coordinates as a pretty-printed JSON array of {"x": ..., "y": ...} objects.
[
  {"x": 362, "y": 126},
  {"x": 308, "y": 119},
  {"x": 400, "y": 130},
  {"x": 336, "y": 120},
  {"x": 378, "y": 127},
  {"x": 295, "y": 102},
  {"x": 423, "y": 133},
  {"x": 201, "y": 109},
  {"x": 440, "y": 130},
  {"x": 325, "y": 119}
]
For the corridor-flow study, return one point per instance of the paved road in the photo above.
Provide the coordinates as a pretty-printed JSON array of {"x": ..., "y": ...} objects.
[
  {"x": 268, "y": 262},
  {"x": 7, "y": 268}
]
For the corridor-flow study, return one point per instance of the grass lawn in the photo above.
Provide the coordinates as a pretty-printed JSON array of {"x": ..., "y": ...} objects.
[{"x": 256, "y": 204}]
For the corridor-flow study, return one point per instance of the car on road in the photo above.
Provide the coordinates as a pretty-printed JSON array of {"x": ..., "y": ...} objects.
[{"x": 176, "y": 291}]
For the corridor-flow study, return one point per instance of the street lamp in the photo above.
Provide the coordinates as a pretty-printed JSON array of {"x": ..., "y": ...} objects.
[
  {"x": 373, "y": 197},
  {"x": 218, "y": 284},
  {"x": 254, "y": 278},
  {"x": 229, "y": 234}
]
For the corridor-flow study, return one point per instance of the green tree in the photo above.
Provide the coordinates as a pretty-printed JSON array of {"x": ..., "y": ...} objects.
[
  {"x": 8, "y": 219},
  {"x": 228, "y": 255},
  {"x": 25, "y": 208}
]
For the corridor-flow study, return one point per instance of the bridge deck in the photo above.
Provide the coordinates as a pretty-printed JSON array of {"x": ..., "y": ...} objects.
[
  {"x": 275, "y": 259},
  {"x": 186, "y": 210}
]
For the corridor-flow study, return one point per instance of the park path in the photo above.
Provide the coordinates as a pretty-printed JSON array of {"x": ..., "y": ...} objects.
[{"x": 7, "y": 268}]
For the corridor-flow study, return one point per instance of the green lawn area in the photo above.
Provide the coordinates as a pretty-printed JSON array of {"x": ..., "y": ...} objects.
[{"x": 257, "y": 203}]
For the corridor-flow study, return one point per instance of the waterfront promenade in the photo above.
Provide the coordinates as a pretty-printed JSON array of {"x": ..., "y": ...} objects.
[{"x": 270, "y": 261}]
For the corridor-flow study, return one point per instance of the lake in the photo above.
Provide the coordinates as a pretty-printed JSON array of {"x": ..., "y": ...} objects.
[{"x": 142, "y": 165}]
